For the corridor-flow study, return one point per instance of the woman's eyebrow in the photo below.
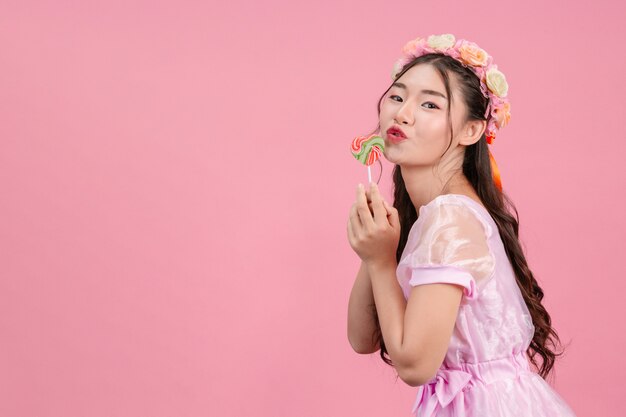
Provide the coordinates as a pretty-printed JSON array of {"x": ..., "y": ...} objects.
[{"x": 431, "y": 92}]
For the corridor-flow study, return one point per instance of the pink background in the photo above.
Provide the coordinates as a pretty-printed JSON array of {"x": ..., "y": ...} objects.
[{"x": 176, "y": 180}]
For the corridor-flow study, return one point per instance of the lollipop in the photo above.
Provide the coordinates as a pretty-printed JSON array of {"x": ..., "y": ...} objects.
[{"x": 368, "y": 150}]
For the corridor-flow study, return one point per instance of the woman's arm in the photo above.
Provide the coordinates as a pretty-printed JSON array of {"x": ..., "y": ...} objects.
[
  {"x": 361, "y": 320},
  {"x": 416, "y": 331}
]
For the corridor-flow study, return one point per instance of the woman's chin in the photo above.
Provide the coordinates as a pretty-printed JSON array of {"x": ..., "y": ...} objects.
[{"x": 391, "y": 157}]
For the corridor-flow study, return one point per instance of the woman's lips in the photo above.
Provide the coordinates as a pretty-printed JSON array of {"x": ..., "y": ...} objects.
[{"x": 394, "y": 136}]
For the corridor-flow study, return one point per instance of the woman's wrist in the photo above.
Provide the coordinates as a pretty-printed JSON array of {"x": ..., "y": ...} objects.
[{"x": 376, "y": 266}]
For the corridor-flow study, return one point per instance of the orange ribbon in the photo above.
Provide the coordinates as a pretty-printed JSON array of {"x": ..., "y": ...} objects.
[{"x": 495, "y": 172}]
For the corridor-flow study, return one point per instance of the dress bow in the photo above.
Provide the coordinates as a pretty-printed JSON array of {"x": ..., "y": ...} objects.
[{"x": 440, "y": 392}]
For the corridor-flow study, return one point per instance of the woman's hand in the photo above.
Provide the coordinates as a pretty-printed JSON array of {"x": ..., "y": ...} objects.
[{"x": 373, "y": 235}]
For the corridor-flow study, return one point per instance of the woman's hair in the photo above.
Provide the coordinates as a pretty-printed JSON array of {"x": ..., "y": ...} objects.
[{"x": 477, "y": 169}]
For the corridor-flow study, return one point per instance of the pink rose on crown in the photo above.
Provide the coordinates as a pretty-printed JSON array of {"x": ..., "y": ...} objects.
[
  {"x": 398, "y": 65},
  {"x": 411, "y": 46}
]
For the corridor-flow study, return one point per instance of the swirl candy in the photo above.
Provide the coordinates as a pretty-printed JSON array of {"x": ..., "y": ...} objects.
[{"x": 368, "y": 150}]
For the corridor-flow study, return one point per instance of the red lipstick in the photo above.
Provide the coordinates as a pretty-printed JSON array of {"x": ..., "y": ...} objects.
[{"x": 395, "y": 134}]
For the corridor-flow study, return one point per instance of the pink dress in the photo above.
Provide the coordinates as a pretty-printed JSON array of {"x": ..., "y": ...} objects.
[{"x": 485, "y": 372}]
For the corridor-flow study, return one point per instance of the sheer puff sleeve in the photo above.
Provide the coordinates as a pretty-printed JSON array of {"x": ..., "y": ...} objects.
[{"x": 452, "y": 247}]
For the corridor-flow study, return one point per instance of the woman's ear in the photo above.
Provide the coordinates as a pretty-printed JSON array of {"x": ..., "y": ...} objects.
[{"x": 473, "y": 131}]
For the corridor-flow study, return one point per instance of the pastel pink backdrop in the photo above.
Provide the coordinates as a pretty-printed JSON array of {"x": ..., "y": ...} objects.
[{"x": 176, "y": 181}]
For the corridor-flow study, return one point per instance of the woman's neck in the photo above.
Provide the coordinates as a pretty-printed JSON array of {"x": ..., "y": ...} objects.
[{"x": 423, "y": 186}]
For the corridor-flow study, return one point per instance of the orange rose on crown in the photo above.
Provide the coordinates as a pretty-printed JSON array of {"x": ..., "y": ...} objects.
[{"x": 471, "y": 54}]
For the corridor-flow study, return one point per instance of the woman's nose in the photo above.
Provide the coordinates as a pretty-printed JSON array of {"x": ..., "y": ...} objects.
[{"x": 404, "y": 115}]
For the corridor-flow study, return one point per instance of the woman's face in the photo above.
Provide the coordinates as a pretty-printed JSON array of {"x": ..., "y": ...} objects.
[{"x": 417, "y": 104}]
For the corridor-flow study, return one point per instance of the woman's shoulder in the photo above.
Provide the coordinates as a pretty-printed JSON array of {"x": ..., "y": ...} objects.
[
  {"x": 456, "y": 207},
  {"x": 454, "y": 198},
  {"x": 453, "y": 230}
]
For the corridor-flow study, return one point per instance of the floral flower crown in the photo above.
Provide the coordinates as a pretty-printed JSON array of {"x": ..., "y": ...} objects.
[{"x": 493, "y": 84}]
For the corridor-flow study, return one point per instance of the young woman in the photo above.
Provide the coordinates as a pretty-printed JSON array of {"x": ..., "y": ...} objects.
[{"x": 444, "y": 289}]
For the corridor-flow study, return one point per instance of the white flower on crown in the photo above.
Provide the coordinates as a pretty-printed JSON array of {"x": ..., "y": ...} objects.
[
  {"x": 497, "y": 82},
  {"x": 441, "y": 42}
]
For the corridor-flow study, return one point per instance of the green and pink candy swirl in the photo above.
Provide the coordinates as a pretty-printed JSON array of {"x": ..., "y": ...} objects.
[{"x": 368, "y": 150}]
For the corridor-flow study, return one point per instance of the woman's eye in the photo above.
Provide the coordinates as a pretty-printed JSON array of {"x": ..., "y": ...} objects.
[{"x": 399, "y": 99}]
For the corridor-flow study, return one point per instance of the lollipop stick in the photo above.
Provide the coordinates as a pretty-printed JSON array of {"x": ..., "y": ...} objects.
[{"x": 369, "y": 175}]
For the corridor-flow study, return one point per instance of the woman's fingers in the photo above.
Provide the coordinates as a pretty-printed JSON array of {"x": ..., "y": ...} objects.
[
  {"x": 363, "y": 209},
  {"x": 380, "y": 212},
  {"x": 355, "y": 222},
  {"x": 368, "y": 197},
  {"x": 394, "y": 220},
  {"x": 350, "y": 231},
  {"x": 388, "y": 208}
]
